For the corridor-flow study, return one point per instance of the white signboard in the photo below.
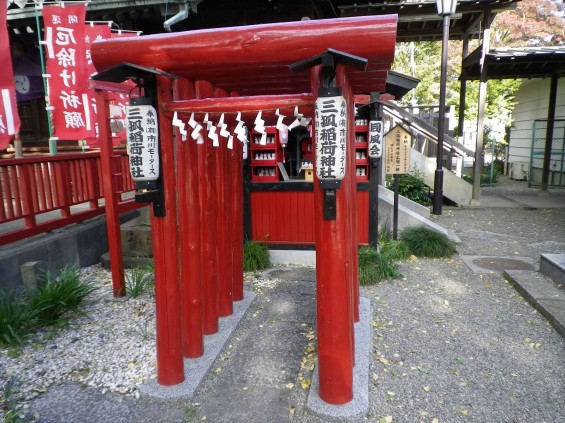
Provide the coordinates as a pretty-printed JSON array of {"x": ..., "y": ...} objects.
[
  {"x": 375, "y": 139},
  {"x": 397, "y": 144},
  {"x": 143, "y": 142},
  {"x": 331, "y": 136}
]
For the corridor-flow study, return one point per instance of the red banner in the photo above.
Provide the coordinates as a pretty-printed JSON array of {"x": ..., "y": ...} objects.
[
  {"x": 119, "y": 102},
  {"x": 92, "y": 33},
  {"x": 66, "y": 67},
  {"x": 9, "y": 119}
]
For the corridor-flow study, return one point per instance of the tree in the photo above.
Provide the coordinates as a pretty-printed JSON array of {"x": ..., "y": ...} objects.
[{"x": 533, "y": 22}]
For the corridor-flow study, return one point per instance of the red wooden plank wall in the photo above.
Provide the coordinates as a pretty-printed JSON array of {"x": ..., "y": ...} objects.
[
  {"x": 281, "y": 217},
  {"x": 363, "y": 217}
]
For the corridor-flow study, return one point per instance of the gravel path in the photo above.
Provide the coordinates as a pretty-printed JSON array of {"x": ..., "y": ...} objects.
[{"x": 449, "y": 345}]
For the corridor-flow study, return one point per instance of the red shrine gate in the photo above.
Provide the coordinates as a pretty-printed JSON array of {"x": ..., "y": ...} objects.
[{"x": 216, "y": 79}]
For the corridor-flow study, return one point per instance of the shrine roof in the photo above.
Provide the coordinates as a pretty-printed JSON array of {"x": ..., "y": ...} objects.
[
  {"x": 255, "y": 59},
  {"x": 523, "y": 62}
]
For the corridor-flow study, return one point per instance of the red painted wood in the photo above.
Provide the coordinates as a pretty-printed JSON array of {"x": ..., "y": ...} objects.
[
  {"x": 343, "y": 81},
  {"x": 208, "y": 221},
  {"x": 248, "y": 105},
  {"x": 363, "y": 217},
  {"x": 256, "y": 50},
  {"x": 282, "y": 217},
  {"x": 54, "y": 171},
  {"x": 189, "y": 232},
  {"x": 237, "y": 220},
  {"x": 334, "y": 321},
  {"x": 170, "y": 368},
  {"x": 223, "y": 244},
  {"x": 111, "y": 200}
]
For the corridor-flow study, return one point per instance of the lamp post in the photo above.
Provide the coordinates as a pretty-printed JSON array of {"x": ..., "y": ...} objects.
[{"x": 445, "y": 8}]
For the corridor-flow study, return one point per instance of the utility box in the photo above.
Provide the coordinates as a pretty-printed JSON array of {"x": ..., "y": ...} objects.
[{"x": 519, "y": 171}]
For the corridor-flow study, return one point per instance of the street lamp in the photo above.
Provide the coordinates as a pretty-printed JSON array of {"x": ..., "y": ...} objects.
[{"x": 445, "y": 8}]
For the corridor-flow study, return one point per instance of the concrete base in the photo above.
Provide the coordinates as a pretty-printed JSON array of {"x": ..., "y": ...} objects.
[
  {"x": 129, "y": 262},
  {"x": 81, "y": 244},
  {"x": 360, "y": 402},
  {"x": 541, "y": 293},
  {"x": 293, "y": 257},
  {"x": 195, "y": 369},
  {"x": 553, "y": 266}
]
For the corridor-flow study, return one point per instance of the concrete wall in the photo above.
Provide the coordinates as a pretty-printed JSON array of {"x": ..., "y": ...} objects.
[{"x": 81, "y": 244}]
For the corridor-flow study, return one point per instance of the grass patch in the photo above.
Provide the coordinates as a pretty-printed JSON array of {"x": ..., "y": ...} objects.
[
  {"x": 60, "y": 295},
  {"x": 375, "y": 266},
  {"x": 397, "y": 250},
  {"x": 425, "y": 242},
  {"x": 255, "y": 256},
  {"x": 138, "y": 281},
  {"x": 14, "y": 318}
]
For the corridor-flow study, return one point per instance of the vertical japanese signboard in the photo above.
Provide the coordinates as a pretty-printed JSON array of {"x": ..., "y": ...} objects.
[
  {"x": 331, "y": 136},
  {"x": 375, "y": 139},
  {"x": 9, "y": 119},
  {"x": 143, "y": 140},
  {"x": 66, "y": 70},
  {"x": 397, "y": 147}
]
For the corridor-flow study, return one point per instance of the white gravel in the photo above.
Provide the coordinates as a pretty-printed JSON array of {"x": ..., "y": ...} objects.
[{"x": 110, "y": 345}]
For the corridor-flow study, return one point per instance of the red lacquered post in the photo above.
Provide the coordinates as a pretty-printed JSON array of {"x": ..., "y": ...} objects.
[
  {"x": 225, "y": 306},
  {"x": 208, "y": 222},
  {"x": 334, "y": 323},
  {"x": 237, "y": 226},
  {"x": 170, "y": 369},
  {"x": 111, "y": 197},
  {"x": 189, "y": 237},
  {"x": 352, "y": 197}
]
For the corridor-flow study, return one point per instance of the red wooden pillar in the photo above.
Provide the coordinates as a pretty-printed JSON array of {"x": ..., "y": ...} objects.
[
  {"x": 111, "y": 196},
  {"x": 334, "y": 314},
  {"x": 208, "y": 222},
  {"x": 170, "y": 369},
  {"x": 353, "y": 235},
  {"x": 237, "y": 225},
  {"x": 189, "y": 229},
  {"x": 223, "y": 187}
]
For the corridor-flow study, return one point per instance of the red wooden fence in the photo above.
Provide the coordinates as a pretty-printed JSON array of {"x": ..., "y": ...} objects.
[{"x": 39, "y": 194}]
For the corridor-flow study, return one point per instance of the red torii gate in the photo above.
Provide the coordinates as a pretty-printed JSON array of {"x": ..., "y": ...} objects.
[{"x": 198, "y": 243}]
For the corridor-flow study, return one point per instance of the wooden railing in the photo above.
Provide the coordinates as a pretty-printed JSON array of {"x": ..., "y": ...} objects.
[{"x": 39, "y": 194}]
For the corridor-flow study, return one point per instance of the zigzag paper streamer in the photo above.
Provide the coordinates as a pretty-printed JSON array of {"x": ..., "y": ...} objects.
[{"x": 280, "y": 125}]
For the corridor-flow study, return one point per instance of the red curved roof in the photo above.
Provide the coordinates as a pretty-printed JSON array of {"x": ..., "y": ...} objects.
[{"x": 253, "y": 60}]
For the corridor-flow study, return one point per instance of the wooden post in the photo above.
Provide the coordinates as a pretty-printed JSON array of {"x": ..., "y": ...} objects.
[
  {"x": 549, "y": 132},
  {"x": 189, "y": 228},
  {"x": 208, "y": 222},
  {"x": 223, "y": 244},
  {"x": 111, "y": 197},
  {"x": 334, "y": 322},
  {"x": 237, "y": 227},
  {"x": 170, "y": 369}
]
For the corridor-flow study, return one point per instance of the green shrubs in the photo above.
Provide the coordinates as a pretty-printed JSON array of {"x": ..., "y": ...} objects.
[
  {"x": 424, "y": 242},
  {"x": 375, "y": 266},
  {"x": 412, "y": 186},
  {"x": 255, "y": 256},
  {"x": 139, "y": 280},
  {"x": 49, "y": 304},
  {"x": 59, "y": 295},
  {"x": 14, "y": 318}
]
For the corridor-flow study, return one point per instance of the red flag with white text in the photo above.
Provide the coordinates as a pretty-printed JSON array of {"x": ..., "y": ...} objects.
[
  {"x": 94, "y": 32},
  {"x": 9, "y": 118},
  {"x": 66, "y": 69}
]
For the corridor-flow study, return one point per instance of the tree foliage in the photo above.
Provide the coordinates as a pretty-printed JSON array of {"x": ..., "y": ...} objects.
[{"x": 533, "y": 22}]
